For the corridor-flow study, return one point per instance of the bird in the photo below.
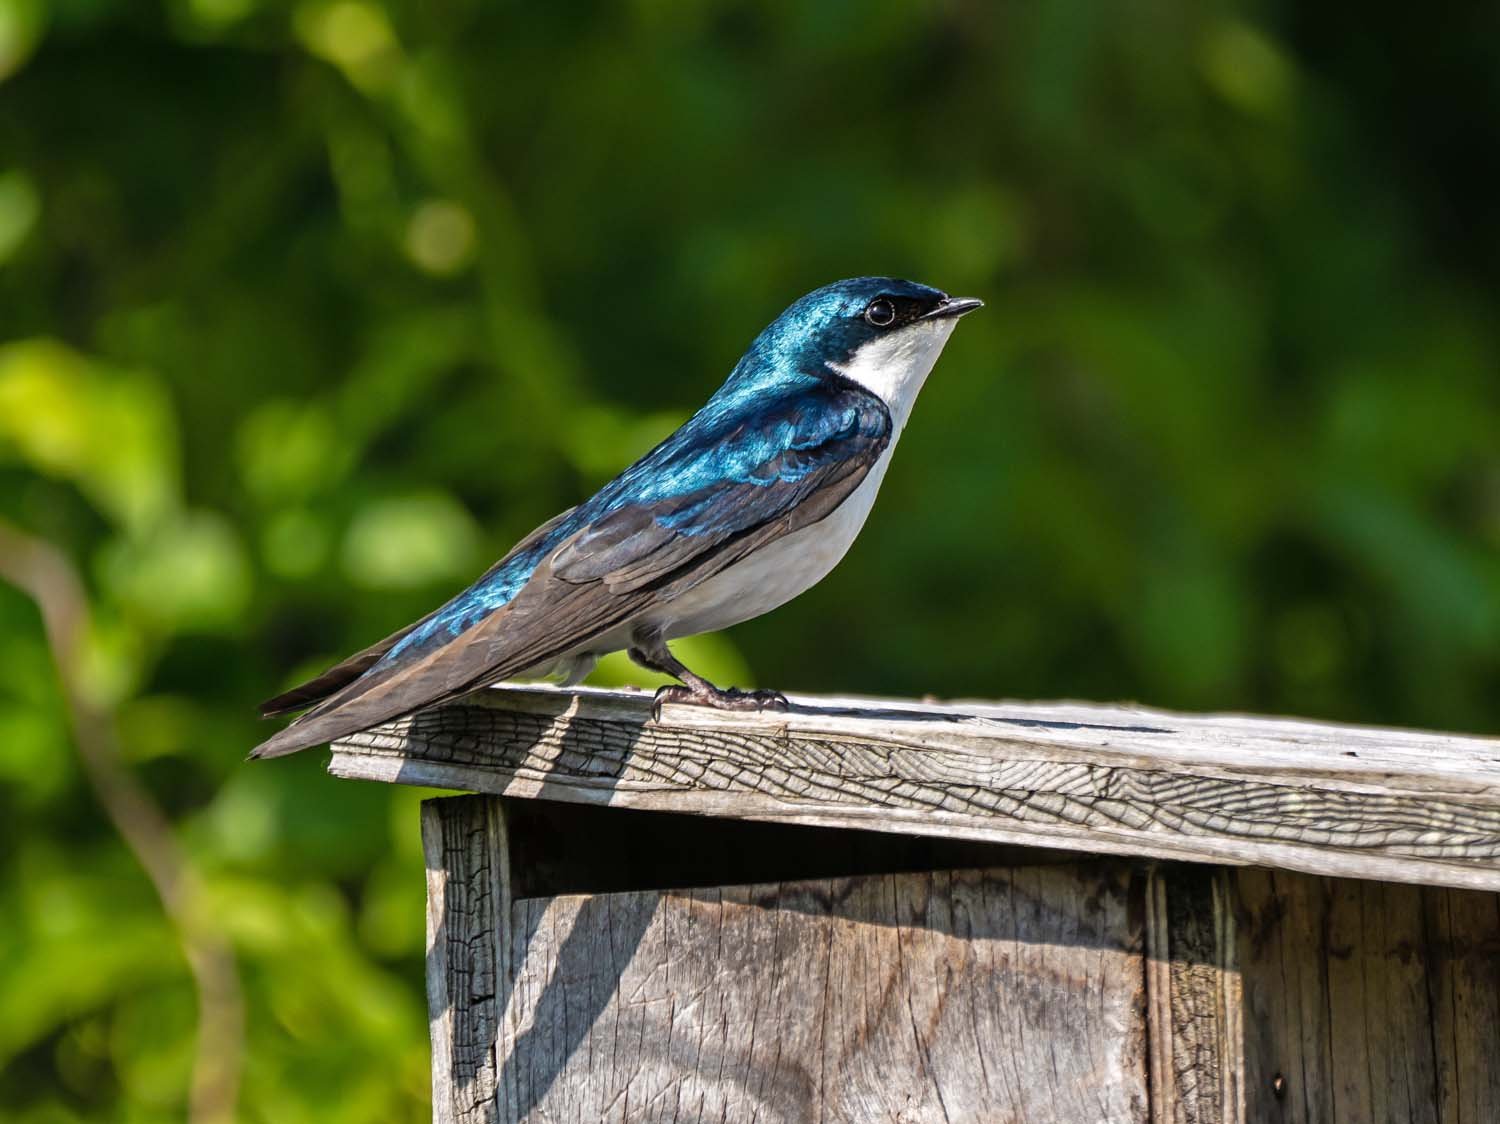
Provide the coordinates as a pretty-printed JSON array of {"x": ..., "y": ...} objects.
[{"x": 752, "y": 501}]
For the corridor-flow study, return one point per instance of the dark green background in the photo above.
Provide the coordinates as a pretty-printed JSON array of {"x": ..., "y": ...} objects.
[{"x": 310, "y": 310}]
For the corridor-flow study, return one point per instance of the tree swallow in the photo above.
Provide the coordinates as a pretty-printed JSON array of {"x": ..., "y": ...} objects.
[{"x": 752, "y": 501}]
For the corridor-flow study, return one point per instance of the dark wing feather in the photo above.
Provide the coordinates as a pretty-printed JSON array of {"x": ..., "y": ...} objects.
[
  {"x": 337, "y": 677},
  {"x": 347, "y": 672},
  {"x": 809, "y": 453},
  {"x": 640, "y": 545}
]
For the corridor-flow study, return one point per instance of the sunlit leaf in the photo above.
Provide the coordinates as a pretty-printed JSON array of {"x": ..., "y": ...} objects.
[
  {"x": 410, "y": 541},
  {"x": 19, "y": 203},
  {"x": 110, "y": 432},
  {"x": 1246, "y": 67},
  {"x": 295, "y": 543},
  {"x": 440, "y": 237},
  {"x": 291, "y": 450},
  {"x": 353, "y": 35},
  {"x": 189, "y": 574},
  {"x": 21, "y": 23}
]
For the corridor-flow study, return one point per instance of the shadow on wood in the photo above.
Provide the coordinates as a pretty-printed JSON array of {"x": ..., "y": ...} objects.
[
  {"x": 538, "y": 857},
  {"x": 765, "y": 958},
  {"x": 865, "y": 998},
  {"x": 988, "y": 990},
  {"x": 858, "y": 996}
]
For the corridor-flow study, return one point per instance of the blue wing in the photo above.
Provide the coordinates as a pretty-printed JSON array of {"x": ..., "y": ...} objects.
[
  {"x": 730, "y": 467},
  {"x": 736, "y": 476},
  {"x": 692, "y": 497}
]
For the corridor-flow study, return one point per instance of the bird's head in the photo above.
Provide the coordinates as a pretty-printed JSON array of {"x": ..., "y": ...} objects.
[{"x": 880, "y": 332}]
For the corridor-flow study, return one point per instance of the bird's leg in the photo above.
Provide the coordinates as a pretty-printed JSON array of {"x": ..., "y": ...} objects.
[{"x": 648, "y": 649}]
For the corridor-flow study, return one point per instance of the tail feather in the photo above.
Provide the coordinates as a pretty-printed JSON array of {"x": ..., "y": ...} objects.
[
  {"x": 327, "y": 720},
  {"x": 336, "y": 701},
  {"x": 315, "y": 690},
  {"x": 321, "y": 695},
  {"x": 335, "y": 679},
  {"x": 388, "y": 693}
]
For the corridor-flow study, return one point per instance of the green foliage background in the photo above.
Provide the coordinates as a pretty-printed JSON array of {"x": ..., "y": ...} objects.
[{"x": 308, "y": 310}]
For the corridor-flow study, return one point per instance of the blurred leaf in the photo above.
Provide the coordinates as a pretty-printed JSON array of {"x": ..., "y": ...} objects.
[
  {"x": 440, "y": 237},
  {"x": 353, "y": 35},
  {"x": 35, "y": 752},
  {"x": 295, "y": 543},
  {"x": 54, "y": 966},
  {"x": 190, "y": 574},
  {"x": 243, "y": 817},
  {"x": 1246, "y": 67},
  {"x": 387, "y": 923},
  {"x": 19, "y": 204},
  {"x": 151, "y": 1045},
  {"x": 218, "y": 14},
  {"x": 410, "y": 541},
  {"x": 110, "y": 432},
  {"x": 21, "y": 23},
  {"x": 601, "y": 440},
  {"x": 290, "y": 451}
]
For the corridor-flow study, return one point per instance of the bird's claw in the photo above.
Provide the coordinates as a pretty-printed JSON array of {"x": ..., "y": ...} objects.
[
  {"x": 672, "y": 692},
  {"x": 736, "y": 699},
  {"x": 732, "y": 699}
]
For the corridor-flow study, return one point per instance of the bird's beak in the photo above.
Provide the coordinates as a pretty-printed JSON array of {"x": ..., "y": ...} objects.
[{"x": 953, "y": 306}]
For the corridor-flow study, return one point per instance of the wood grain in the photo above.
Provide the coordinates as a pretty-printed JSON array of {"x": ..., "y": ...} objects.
[
  {"x": 1397, "y": 805},
  {"x": 1000, "y": 995},
  {"x": 1463, "y": 981},
  {"x": 1368, "y": 1002},
  {"x": 1195, "y": 1005},
  {"x": 467, "y": 896},
  {"x": 1257, "y": 995}
]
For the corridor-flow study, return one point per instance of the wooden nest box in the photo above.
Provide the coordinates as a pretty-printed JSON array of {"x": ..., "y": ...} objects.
[{"x": 890, "y": 912}]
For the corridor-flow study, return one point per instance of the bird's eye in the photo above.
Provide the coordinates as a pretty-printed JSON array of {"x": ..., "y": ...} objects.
[{"x": 881, "y": 313}]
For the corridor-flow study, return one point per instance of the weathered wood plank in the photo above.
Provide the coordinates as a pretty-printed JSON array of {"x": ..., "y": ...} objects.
[
  {"x": 1463, "y": 980},
  {"x": 1288, "y": 1068},
  {"x": 1002, "y": 995},
  {"x": 1271, "y": 996},
  {"x": 1380, "y": 1021},
  {"x": 1340, "y": 800},
  {"x": 467, "y": 896},
  {"x": 1368, "y": 1001},
  {"x": 1195, "y": 1009}
]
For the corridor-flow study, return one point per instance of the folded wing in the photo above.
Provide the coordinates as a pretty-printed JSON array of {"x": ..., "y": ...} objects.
[{"x": 724, "y": 485}]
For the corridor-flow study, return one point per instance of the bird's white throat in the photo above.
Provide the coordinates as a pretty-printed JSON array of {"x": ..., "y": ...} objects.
[{"x": 893, "y": 367}]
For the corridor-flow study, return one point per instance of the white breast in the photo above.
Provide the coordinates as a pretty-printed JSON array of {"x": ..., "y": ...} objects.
[{"x": 777, "y": 572}]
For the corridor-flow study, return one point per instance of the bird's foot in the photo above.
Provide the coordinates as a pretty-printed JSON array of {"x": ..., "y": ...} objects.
[{"x": 719, "y": 699}]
